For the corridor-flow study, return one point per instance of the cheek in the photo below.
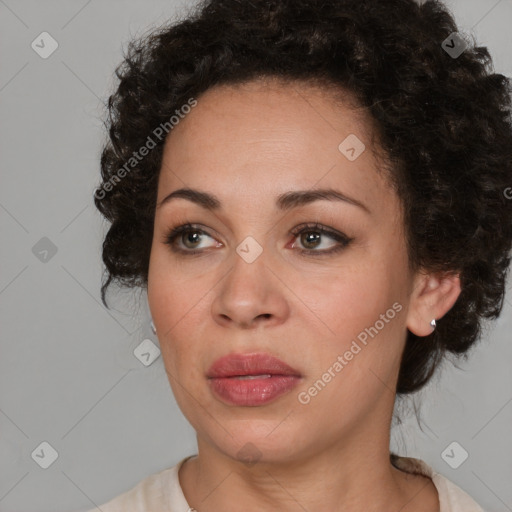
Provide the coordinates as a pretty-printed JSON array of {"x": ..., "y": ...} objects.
[
  {"x": 159, "y": 293},
  {"x": 179, "y": 305},
  {"x": 342, "y": 302},
  {"x": 172, "y": 296},
  {"x": 357, "y": 315}
]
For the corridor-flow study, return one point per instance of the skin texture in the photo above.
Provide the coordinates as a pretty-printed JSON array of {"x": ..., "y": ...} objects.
[{"x": 247, "y": 145}]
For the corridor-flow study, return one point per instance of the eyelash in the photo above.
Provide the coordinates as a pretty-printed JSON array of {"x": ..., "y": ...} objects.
[{"x": 343, "y": 240}]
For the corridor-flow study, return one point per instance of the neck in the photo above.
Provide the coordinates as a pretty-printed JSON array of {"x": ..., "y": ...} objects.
[{"x": 354, "y": 475}]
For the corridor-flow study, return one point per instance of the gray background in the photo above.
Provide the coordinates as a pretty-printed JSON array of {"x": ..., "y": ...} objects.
[{"x": 68, "y": 376}]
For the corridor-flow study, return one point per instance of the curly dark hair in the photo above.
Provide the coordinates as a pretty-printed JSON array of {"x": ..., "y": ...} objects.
[{"x": 444, "y": 123}]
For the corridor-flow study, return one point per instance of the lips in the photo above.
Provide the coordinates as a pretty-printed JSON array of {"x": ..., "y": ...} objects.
[
  {"x": 251, "y": 379},
  {"x": 234, "y": 365}
]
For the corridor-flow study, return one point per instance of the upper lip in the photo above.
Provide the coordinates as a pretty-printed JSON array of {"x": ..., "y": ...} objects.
[{"x": 233, "y": 365}]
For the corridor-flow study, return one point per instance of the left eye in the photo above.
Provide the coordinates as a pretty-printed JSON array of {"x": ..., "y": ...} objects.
[{"x": 310, "y": 237}]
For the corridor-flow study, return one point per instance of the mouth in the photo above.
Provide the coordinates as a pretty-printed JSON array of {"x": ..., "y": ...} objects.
[
  {"x": 250, "y": 365},
  {"x": 251, "y": 379}
]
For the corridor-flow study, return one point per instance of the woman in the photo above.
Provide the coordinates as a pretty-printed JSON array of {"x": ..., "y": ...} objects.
[{"x": 313, "y": 195}]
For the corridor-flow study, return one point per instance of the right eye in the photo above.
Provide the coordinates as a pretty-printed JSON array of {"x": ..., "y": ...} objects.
[{"x": 186, "y": 238}]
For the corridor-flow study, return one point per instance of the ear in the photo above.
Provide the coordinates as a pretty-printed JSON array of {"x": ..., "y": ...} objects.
[{"x": 432, "y": 297}]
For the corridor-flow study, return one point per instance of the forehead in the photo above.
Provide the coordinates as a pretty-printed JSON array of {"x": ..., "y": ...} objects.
[{"x": 267, "y": 138}]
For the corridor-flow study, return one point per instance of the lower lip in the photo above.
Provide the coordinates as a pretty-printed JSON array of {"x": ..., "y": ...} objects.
[{"x": 252, "y": 392}]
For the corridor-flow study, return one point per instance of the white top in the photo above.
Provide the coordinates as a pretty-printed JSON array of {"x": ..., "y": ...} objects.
[{"x": 161, "y": 492}]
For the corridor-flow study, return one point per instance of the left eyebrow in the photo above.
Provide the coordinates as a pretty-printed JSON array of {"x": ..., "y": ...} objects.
[
  {"x": 298, "y": 198},
  {"x": 286, "y": 201}
]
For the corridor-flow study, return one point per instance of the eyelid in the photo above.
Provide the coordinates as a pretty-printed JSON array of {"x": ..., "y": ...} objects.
[{"x": 317, "y": 226}]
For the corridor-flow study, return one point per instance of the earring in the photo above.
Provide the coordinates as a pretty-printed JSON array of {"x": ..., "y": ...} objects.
[
  {"x": 153, "y": 328},
  {"x": 433, "y": 323}
]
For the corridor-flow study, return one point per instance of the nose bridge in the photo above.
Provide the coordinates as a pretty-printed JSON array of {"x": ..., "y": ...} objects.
[
  {"x": 247, "y": 277},
  {"x": 249, "y": 290}
]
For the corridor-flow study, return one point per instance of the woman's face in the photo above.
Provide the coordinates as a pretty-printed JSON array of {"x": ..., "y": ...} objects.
[{"x": 256, "y": 276}]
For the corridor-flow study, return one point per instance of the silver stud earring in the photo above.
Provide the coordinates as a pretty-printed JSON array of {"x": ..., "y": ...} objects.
[
  {"x": 153, "y": 328},
  {"x": 433, "y": 323}
]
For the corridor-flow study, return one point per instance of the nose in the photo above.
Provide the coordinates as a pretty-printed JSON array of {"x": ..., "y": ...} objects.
[{"x": 250, "y": 295}]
